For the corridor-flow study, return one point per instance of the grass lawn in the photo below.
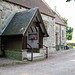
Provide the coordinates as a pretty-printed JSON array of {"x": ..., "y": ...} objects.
[{"x": 73, "y": 46}]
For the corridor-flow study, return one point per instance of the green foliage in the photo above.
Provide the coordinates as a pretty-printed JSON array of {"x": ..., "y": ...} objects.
[
  {"x": 69, "y": 30},
  {"x": 71, "y": 44},
  {"x": 69, "y": 37},
  {"x": 68, "y": 0},
  {"x": 14, "y": 54},
  {"x": 65, "y": 20}
]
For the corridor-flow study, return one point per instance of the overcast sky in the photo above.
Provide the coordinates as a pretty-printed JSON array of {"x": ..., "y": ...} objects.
[{"x": 65, "y": 9}]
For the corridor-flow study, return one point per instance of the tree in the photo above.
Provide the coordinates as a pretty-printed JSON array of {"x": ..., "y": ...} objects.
[
  {"x": 69, "y": 30},
  {"x": 65, "y": 20},
  {"x": 69, "y": 0}
]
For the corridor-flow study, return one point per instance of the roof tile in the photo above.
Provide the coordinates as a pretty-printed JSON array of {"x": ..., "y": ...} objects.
[
  {"x": 32, "y": 4},
  {"x": 59, "y": 20}
]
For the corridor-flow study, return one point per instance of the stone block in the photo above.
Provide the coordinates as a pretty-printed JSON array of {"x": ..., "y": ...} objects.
[
  {"x": 42, "y": 51},
  {"x": 24, "y": 54},
  {"x": 14, "y": 54}
]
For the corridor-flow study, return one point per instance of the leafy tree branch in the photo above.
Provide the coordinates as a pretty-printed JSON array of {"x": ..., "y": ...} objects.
[
  {"x": 69, "y": 30},
  {"x": 69, "y": 0}
]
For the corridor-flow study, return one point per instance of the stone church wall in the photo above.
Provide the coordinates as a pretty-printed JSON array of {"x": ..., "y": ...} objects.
[
  {"x": 61, "y": 34},
  {"x": 8, "y": 10},
  {"x": 49, "y": 41}
]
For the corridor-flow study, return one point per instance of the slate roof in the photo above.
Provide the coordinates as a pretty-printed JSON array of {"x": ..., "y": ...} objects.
[
  {"x": 59, "y": 20},
  {"x": 32, "y": 4},
  {"x": 20, "y": 22}
]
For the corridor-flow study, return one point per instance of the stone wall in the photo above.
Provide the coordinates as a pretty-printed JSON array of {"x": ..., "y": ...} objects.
[
  {"x": 61, "y": 34},
  {"x": 63, "y": 42},
  {"x": 14, "y": 54},
  {"x": 49, "y": 23},
  {"x": 8, "y": 9}
]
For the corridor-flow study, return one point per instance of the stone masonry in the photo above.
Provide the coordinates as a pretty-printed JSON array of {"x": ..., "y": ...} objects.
[
  {"x": 61, "y": 34},
  {"x": 8, "y": 10}
]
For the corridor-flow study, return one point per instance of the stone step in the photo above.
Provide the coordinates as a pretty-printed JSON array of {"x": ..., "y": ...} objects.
[{"x": 36, "y": 56}]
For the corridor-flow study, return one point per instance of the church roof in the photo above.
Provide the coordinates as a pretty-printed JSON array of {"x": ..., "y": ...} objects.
[
  {"x": 59, "y": 20},
  {"x": 41, "y": 4},
  {"x": 21, "y": 21}
]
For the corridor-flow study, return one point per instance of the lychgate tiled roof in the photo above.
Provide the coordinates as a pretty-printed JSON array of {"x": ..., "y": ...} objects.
[
  {"x": 59, "y": 20},
  {"x": 32, "y": 4},
  {"x": 21, "y": 21}
]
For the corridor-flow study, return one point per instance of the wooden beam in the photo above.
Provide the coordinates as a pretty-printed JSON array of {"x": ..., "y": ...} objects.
[
  {"x": 31, "y": 55},
  {"x": 24, "y": 42},
  {"x": 31, "y": 29},
  {"x": 3, "y": 47},
  {"x": 36, "y": 18},
  {"x": 37, "y": 22},
  {"x": 36, "y": 29}
]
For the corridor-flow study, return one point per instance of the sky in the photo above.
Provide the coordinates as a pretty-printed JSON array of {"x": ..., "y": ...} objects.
[{"x": 65, "y": 9}]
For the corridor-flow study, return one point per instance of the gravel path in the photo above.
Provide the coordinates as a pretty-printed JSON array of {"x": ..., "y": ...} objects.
[{"x": 59, "y": 63}]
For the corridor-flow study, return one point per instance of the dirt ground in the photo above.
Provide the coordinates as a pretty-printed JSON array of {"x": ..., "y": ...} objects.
[{"x": 58, "y": 63}]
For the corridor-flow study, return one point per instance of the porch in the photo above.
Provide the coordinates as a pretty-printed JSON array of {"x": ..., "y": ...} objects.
[
  {"x": 26, "y": 27},
  {"x": 43, "y": 53}
]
